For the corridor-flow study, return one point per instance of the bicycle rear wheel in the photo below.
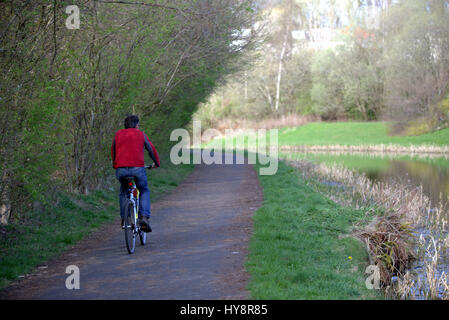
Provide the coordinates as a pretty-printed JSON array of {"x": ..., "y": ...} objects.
[
  {"x": 143, "y": 237},
  {"x": 130, "y": 236}
]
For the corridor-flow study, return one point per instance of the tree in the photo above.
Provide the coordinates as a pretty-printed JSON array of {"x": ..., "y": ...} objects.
[{"x": 417, "y": 59}]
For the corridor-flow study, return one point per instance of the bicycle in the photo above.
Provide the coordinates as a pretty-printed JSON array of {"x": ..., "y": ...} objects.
[{"x": 132, "y": 230}]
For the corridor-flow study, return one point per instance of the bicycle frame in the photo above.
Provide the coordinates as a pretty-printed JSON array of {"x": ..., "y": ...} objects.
[{"x": 133, "y": 196}]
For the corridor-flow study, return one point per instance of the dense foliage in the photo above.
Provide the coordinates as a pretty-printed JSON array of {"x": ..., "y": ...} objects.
[{"x": 64, "y": 92}]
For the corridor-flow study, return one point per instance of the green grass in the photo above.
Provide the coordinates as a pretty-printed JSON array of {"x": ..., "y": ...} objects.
[
  {"x": 355, "y": 133},
  {"x": 301, "y": 244},
  {"x": 46, "y": 234},
  {"x": 346, "y": 134}
]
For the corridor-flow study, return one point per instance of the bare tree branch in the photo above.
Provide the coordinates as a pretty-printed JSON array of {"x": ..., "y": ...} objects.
[{"x": 155, "y": 5}]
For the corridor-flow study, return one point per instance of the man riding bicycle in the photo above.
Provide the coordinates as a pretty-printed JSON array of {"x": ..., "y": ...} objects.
[{"x": 127, "y": 153}]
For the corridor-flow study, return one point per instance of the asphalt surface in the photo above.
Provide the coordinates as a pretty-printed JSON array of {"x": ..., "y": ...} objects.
[{"x": 197, "y": 249}]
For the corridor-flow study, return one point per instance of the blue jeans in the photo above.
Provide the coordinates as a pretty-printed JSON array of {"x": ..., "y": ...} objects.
[{"x": 140, "y": 177}]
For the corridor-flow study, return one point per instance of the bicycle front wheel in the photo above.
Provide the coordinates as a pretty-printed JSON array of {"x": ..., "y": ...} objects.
[{"x": 130, "y": 225}]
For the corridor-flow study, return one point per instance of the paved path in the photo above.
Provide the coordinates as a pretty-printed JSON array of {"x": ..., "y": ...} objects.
[{"x": 197, "y": 249}]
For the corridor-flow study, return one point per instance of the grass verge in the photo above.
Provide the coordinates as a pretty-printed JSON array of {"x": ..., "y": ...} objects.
[
  {"x": 45, "y": 234},
  {"x": 301, "y": 246}
]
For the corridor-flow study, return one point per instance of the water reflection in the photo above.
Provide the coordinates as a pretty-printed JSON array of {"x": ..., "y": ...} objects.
[{"x": 434, "y": 179}]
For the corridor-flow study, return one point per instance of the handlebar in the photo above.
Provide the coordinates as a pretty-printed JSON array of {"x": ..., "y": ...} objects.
[{"x": 150, "y": 167}]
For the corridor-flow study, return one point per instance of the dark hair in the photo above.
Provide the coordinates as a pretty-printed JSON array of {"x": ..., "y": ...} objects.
[{"x": 131, "y": 121}]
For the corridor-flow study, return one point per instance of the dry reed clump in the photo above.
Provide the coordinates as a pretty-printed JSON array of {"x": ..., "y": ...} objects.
[
  {"x": 378, "y": 148},
  {"x": 389, "y": 242},
  {"x": 390, "y": 238}
]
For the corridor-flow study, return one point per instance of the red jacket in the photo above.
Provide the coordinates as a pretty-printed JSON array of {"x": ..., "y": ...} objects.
[{"x": 127, "y": 149}]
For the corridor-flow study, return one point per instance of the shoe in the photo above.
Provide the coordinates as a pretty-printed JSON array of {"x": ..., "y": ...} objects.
[
  {"x": 122, "y": 223},
  {"x": 145, "y": 224}
]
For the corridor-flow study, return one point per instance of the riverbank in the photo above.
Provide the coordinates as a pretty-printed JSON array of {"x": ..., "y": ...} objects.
[
  {"x": 47, "y": 233},
  {"x": 407, "y": 239},
  {"x": 302, "y": 245}
]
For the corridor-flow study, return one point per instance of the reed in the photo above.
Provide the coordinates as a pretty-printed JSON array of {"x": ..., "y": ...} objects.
[
  {"x": 372, "y": 154},
  {"x": 377, "y": 148}
]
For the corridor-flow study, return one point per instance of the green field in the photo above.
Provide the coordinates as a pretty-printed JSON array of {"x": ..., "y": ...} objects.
[
  {"x": 355, "y": 133},
  {"x": 343, "y": 134},
  {"x": 301, "y": 246},
  {"x": 49, "y": 232}
]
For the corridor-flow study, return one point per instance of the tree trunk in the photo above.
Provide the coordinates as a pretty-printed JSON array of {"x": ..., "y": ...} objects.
[
  {"x": 281, "y": 58},
  {"x": 5, "y": 206}
]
